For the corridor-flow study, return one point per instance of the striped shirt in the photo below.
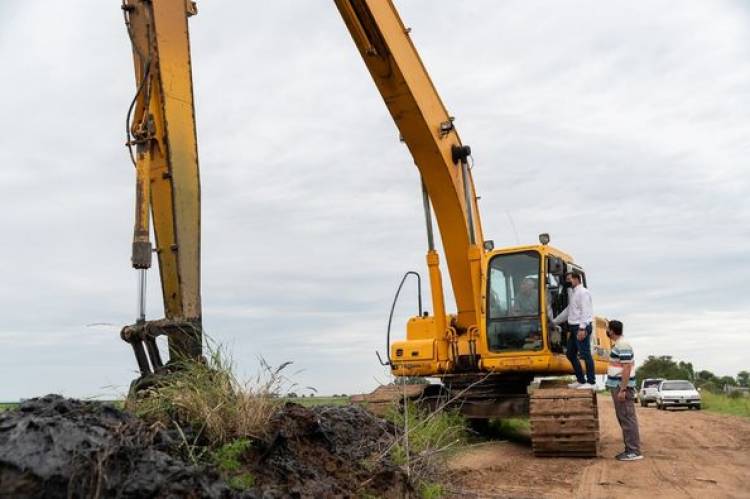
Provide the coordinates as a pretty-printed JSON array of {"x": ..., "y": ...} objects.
[{"x": 620, "y": 355}]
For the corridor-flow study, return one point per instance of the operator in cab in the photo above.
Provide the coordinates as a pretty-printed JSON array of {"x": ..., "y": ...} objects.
[
  {"x": 579, "y": 316},
  {"x": 527, "y": 302}
]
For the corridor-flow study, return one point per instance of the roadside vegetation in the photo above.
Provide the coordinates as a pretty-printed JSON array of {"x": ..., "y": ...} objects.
[
  {"x": 734, "y": 403},
  {"x": 424, "y": 439}
]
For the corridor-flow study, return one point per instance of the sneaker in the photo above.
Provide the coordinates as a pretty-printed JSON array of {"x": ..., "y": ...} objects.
[
  {"x": 575, "y": 384},
  {"x": 630, "y": 456},
  {"x": 621, "y": 454},
  {"x": 587, "y": 386}
]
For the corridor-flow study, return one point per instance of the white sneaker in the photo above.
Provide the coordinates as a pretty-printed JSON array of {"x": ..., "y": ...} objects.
[
  {"x": 587, "y": 386},
  {"x": 574, "y": 385}
]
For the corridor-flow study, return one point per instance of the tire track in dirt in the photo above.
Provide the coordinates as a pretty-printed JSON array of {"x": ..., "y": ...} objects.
[{"x": 687, "y": 454}]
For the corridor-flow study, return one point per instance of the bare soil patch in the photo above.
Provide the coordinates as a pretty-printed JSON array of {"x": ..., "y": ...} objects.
[{"x": 687, "y": 454}]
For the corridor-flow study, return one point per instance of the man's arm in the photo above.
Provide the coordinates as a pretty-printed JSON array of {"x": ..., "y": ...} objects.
[
  {"x": 562, "y": 317},
  {"x": 587, "y": 309},
  {"x": 626, "y": 360},
  {"x": 622, "y": 392}
]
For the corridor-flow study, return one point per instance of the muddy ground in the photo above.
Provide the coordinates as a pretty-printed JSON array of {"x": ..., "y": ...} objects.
[
  {"x": 687, "y": 454},
  {"x": 55, "y": 447}
]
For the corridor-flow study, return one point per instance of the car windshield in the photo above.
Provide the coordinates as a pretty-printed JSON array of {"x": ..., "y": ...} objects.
[
  {"x": 677, "y": 385},
  {"x": 651, "y": 383}
]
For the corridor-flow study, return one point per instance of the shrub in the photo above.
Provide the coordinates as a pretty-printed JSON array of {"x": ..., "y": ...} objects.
[{"x": 208, "y": 398}]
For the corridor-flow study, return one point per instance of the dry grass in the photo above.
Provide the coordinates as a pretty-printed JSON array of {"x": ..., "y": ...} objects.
[{"x": 209, "y": 399}]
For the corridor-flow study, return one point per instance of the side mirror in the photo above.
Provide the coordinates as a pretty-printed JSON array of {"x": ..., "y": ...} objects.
[{"x": 555, "y": 265}]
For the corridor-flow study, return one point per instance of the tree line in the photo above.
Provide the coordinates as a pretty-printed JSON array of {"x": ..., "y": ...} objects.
[{"x": 663, "y": 366}]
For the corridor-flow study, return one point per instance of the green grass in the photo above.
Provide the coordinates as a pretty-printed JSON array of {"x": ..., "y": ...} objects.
[
  {"x": 431, "y": 491},
  {"x": 428, "y": 432},
  {"x": 228, "y": 459},
  {"x": 511, "y": 429},
  {"x": 209, "y": 397},
  {"x": 724, "y": 404},
  {"x": 7, "y": 405},
  {"x": 313, "y": 401}
]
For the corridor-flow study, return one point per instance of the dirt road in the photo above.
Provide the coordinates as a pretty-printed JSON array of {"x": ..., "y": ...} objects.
[{"x": 688, "y": 454}]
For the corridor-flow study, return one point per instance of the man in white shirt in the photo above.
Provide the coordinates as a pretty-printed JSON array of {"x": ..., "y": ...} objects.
[{"x": 579, "y": 315}]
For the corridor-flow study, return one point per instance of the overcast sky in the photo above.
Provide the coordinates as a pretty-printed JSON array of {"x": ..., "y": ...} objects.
[{"x": 621, "y": 128}]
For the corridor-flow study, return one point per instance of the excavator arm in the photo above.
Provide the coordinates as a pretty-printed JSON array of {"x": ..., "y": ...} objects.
[
  {"x": 163, "y": 147},
  {"x": 429, "y": 133}
]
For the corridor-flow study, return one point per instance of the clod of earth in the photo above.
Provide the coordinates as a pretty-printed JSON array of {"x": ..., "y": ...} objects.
[
  {"x": 56, "y": 447},
  {"x": 329, "y": 452}
]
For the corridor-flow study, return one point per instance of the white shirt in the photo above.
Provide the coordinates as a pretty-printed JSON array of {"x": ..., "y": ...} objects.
[{"x": 580, "y": 309}]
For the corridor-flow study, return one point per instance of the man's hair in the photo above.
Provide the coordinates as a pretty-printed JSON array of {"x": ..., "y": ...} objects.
[
  {"x": 576, "y": 275},
  {"x": 615, "y": 327}
]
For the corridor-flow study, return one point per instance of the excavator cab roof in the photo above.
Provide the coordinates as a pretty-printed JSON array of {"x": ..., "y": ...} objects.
[{"x": 543, "y": 249}]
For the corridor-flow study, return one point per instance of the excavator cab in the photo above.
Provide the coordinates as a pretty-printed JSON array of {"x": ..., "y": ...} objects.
[
  {"x": 514, "y": 302},
  {"x": 526, "y": 289}
]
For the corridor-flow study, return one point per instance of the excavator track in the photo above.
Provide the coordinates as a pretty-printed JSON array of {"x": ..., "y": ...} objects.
[{"x": 564, "y": 421}]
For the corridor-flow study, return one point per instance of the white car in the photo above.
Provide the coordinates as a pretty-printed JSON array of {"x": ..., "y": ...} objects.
[
  {"x": 677, "y": 393},
  {"x": 648, "y": 391}
]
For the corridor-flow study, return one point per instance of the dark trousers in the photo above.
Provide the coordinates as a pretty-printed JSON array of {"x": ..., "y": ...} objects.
[
  {"x": 582, "y": 347},
  {"x": 625, "y": 411}
]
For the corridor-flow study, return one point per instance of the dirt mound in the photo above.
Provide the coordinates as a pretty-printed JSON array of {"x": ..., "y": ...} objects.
[
  {"x": 328, "y": 452},
  {"x": 56, "y": 447}
]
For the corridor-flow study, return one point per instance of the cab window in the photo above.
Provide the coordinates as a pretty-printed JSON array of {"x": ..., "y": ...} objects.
[{"x": 513, "y": 302}]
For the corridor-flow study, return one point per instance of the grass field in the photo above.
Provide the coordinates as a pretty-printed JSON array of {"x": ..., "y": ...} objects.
[
  {"x": 7, "y": 405},
  {"x": 313, "y": 401},
  {"x": 726, "y": 405}
]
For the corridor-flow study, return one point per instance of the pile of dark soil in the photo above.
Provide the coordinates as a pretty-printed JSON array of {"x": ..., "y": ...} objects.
[
  {"x": 324, "y": 451},
  {"x": 56, "y": 447}
]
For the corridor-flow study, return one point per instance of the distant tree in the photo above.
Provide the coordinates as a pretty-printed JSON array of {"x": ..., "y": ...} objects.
[
  {"x": 688, "y": 368},
  {"x": 704, "y": 375},
  {"x": 663, "y": 367},
  {"x": 291, "y": 395},
  {"x": 709, "y": 386},
  {"x": 727, "y": 381},
  {"x": 743, "y": 379}
]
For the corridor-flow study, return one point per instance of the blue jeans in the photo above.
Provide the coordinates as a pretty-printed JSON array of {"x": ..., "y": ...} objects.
[{"x": 582, "y": 347}]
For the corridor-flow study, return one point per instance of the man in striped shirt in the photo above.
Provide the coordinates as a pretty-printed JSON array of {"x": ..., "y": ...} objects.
[{"x": 621, "y": 383}]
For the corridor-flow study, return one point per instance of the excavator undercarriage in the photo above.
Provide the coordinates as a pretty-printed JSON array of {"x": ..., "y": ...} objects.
[{"x": 564, "y": 422}]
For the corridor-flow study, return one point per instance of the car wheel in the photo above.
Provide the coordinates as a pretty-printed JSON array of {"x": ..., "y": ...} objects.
[
  {"x": 643, "y": 404},
  {"x": 659, "y": 406},
  {"x": 697, "y": 407}
]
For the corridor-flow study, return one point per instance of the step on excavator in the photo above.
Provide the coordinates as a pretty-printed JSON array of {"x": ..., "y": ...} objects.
[{"x": 488, "y": 353}]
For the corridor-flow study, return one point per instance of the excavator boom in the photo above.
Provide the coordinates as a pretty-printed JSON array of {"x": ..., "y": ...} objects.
[
  {"x": 428, "y": 131},
  {"x": 163, "y": 147},
  {"x": 501, "y": 337}
]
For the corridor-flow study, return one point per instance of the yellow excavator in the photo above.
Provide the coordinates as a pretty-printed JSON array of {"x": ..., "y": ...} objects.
[
  {"x": 486, "y": 354},
  {"x": 501, "y": 337}
]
